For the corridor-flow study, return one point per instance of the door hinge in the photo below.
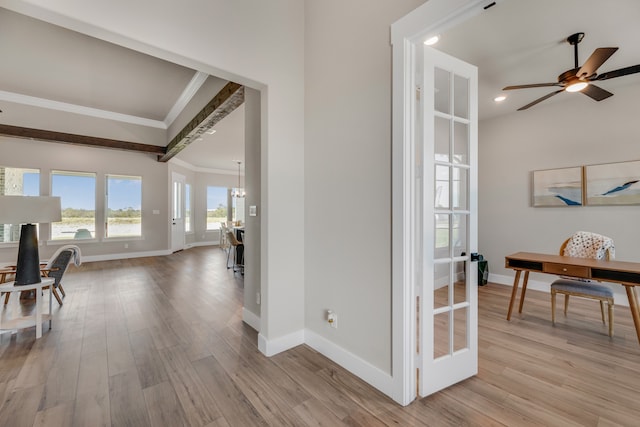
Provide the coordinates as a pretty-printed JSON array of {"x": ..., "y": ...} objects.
[{"x": 418, "y": 91}]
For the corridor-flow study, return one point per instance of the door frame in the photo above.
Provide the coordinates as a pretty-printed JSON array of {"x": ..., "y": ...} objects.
[
  {"x": 177, "y": 177},
  {"x": 407, "y": 34}
]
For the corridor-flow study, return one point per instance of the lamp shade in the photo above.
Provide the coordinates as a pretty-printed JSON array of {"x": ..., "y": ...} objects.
[{"x": 29, "y": 209}]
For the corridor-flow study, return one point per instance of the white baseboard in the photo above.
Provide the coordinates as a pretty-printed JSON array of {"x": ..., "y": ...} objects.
[
  {"x": 251, "y": 319},
  {"x": 619, "y": 294},
  {"x": 352, "y": 363},
  {"x": 111, "y": 257},
  {"x": 278, "y": 345},
  {"x": 206, "y": 243}
]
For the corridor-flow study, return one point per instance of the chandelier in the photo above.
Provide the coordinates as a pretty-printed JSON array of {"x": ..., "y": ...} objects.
[{"x": 239, "y": 191}]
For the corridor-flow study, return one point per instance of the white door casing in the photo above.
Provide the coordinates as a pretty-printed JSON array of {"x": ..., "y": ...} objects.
[{"x": 177, "y": 212}]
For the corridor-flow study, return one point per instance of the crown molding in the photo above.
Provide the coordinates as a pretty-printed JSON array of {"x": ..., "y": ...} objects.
[{"x": 79, "y": 109}]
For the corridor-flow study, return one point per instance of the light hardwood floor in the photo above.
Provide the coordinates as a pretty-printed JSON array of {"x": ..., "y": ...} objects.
[{"x": 160, "y": 342}]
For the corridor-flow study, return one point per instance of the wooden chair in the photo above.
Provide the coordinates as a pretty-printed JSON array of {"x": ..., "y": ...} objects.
[
  {"x": 583, "y": 289},
  {"x": 234, "y": 245}
]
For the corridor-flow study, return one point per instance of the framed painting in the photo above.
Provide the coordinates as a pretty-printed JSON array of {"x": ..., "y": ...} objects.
[
  {"x": 613, "y": 184},
  {"x": 558, "y": 187}
]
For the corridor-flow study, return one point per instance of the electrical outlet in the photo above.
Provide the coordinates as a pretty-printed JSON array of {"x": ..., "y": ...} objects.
[
  {"x": 332, "y": 319},
  {"x": 126, "y": 246}
]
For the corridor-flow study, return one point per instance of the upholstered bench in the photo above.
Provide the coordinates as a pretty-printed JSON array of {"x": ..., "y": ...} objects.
[{"x": 589, "y": 290}]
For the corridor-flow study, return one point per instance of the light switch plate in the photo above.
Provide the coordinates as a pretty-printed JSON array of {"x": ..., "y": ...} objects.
[{"x": 253, "y": 211}]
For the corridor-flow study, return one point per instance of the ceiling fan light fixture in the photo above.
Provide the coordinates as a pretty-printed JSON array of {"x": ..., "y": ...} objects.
[
  {"x": 577, "y": 86},
  {"x": 499, "y": 98}
]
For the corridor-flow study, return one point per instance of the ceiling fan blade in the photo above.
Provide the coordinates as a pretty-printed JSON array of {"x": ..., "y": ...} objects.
[
  {"x": 619, "y": 73},
  {"x": 539, "y": 100},
  {"x": 531, "y": 85},
  {"x": 596, "y": 93},
  {"x": 597, "y": 58}
]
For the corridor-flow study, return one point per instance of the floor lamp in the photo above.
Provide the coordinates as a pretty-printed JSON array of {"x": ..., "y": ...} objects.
[{"x": 28, "y": 210}]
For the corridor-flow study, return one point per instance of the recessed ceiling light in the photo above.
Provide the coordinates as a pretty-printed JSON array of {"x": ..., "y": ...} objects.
[
  {"x": 500, "y": 98},
  {"x": 432, "y": 40}
]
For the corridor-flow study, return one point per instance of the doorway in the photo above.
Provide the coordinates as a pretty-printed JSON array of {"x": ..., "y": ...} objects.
[
  {"x": 177, "y": 212},
  {"x": 419, "y": 270}
]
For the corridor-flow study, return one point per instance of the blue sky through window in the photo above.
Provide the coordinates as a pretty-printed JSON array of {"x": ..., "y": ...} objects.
[
  {"x": 31, "y": 184},
  {"x": 125, "y": 193},
  {"x": 216, "y": 196}
]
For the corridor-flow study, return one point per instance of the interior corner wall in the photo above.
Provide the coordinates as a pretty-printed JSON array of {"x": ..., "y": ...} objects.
[
  {"x": 553, "y": 135},
  {"x": 348, "y": 174},
  {"x": 252, "y": 240}
]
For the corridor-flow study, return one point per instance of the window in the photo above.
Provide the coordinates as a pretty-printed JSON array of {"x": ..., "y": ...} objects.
[
  {"x": 216, "y": 207},
  {"x": 77, "y": 192},
  {"x": 17, "y": 182},
  {"x": 187, "y": 208},
  {"x": 124, "y": 206}
]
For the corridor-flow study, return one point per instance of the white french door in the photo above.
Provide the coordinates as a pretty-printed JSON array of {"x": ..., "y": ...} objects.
[
  {"x": 177, "y": 212},
  {"x": 446, "y": 220}
]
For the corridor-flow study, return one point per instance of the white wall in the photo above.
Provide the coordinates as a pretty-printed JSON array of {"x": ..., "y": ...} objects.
[
  {"x": 554, "y": 135},
  {"x": 348, "y": 173},
  {"x": 252, "y": 42}
]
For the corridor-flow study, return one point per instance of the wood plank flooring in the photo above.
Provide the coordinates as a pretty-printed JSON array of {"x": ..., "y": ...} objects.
[{"x": 160, "y": 342}]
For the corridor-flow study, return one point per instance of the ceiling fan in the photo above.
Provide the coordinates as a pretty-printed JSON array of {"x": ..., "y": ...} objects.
[{"x": 579, "y": 79}]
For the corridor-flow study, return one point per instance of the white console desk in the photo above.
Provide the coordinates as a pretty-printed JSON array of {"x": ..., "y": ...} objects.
[{"x": 25, "y": 322}]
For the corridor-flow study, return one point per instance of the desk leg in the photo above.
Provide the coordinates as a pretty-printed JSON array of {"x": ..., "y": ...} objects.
[
  {"x": 513, "y": 293},
  {"x": 524, "y": 290},
  {"x": 633, "y": 306},
  {"x": 38, "y": 313}
]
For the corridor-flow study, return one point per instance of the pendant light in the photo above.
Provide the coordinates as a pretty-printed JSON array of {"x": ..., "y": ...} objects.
[{"x": 238, "y": 192}]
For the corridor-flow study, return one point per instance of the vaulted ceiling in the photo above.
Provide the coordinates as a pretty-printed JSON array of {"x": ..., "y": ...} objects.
[{"x": 50, "y": 67}]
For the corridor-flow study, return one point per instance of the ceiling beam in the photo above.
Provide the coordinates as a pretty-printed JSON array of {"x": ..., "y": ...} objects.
[
  {"x": 230, "y": 97},
  {"x": 69, "y": 138}
]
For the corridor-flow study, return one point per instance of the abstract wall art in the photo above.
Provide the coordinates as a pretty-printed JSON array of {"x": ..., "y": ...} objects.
[
  {"x": 613, "y": 184},
  {"x": 558, "y": 187}
]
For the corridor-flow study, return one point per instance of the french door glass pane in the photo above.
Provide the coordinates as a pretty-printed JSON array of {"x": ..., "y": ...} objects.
[
  {"x": 461, "y": 143},
  {"x": 442, "y": 85},
  {"x": 459, "y": 233},
  {"x": 442, "y": 139},
  {"x": 441, "y": 327},
  {"x": 460, "y": 332},
  {"x": 441, "y": 192},
  {"x": 459, "y": 187},
  {"x": 461, "y": 96},
  {"x": 442, "y": 236},
  {"x": 442, "y": 280},
  {"x": 460, "y": 286}
]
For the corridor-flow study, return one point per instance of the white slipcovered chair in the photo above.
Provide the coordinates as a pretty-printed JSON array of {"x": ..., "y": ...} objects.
[{"x": 584, "y": 244}]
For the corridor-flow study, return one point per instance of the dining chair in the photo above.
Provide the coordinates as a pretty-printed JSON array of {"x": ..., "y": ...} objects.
[
  {"x": 584, "y": 244},
  {"x": 237, "y": 246}
]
